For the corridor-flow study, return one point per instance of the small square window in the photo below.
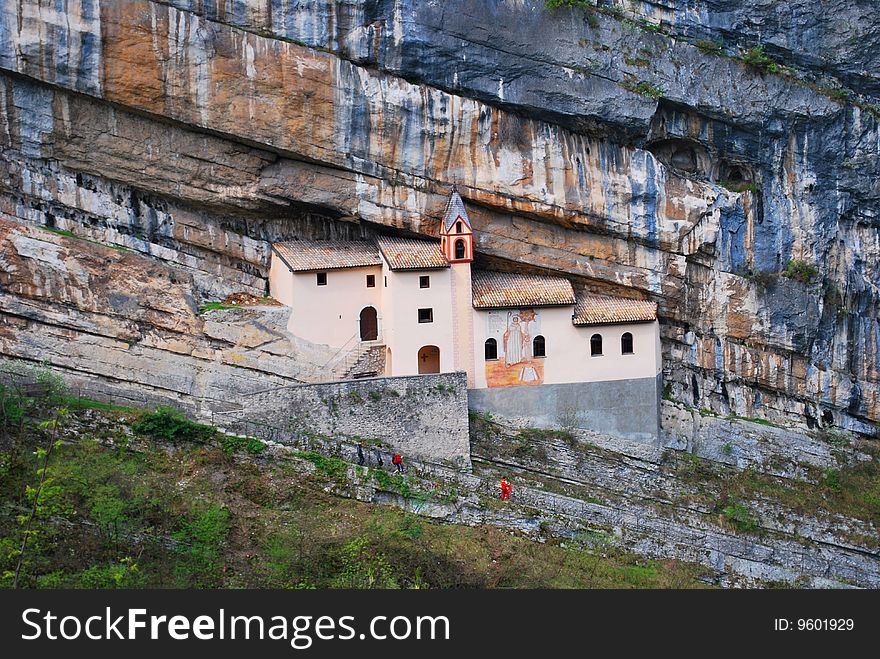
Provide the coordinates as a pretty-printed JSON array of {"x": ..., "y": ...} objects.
[
  {"x": 322, "y": 278},
  {"x": 371, "y": 281},
  {"x": 426, "y": 315},
  {"x": 424, "y": 281}
]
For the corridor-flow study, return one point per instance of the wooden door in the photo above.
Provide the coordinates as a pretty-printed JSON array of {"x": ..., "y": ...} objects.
[
  {"x": 369, "y": 324},
  {"x": 429, "y": 359}
]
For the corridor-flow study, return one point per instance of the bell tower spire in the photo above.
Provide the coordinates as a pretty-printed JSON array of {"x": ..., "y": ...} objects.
[
  {"x": 456, "y": 234},
  {"x": 457, "y": 244}
]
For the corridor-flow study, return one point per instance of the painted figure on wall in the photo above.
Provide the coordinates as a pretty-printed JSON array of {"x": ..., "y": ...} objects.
[
  {"x": 511, "y": 359},
  {"x": 514, "y": 338}
]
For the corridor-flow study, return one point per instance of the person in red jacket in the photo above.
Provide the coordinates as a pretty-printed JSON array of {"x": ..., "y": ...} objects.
[
  {"x": 398, "y": 462},
  {"x": 506, "y": 489}
]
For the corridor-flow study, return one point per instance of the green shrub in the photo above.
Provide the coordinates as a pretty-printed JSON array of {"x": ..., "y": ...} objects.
[
  {"x": 170, "y": 423},
  {"x": 870, "y": 108},
  {"x": 124, "y": 574},
  {"x": 711, "y": 47},
  {"x": 382, "y": 478},
  {"x": 740, "y": 516},
  {"x": 570, "y": 4},
  {"x": 232, "y": 443},
  {"x": 331, "y": 467},
  {"x": 200, "y": 542},
  {"x": 402, "y": 486},
  {"x": 800, "y": 270},
  {"x": 831, "y": 479},
  {"x": 364, "y": 567},
  {"x": 636, "y": 61},
  {"x": 215, "y": 305},
  {"x": 12, "y": 409},
  {"x": 108, "y": 509},
  {"x": 739, "y": 186},
  {"x": 755, "y": 58},
  {"x": 833, "y": 437},
  {"x": 642, "y": 88},
  {"x": 410, "y": 527},
  {"x": 17, "y": 403},
  {"x": 839, "y": 94},
  {"x": 56, "y": 579}
]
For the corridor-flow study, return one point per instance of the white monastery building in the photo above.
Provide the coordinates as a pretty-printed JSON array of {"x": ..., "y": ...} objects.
[{"x": 528, "y": 343}]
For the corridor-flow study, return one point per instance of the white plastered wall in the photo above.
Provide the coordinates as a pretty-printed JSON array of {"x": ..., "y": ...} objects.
[
  {"x": 404, "y": 334},
  {"x": 568, "y": 349},
  {"x": 330, "y": 315},
  {"x": 280, "y": 281}
]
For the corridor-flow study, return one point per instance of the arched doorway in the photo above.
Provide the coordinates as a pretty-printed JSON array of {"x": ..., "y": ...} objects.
[
  {"x": 429, "y": 359},
  {"x": 369, "y": 324}
]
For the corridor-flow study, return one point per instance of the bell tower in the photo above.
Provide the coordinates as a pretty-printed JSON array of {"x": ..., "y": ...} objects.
[
  {"x": 456, "y": 234},
  {"x": 457, "y": 244}
]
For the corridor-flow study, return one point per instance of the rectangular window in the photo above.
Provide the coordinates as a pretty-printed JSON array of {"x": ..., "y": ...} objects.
[
  {"x": 426, "y": 315},
  {"x": 371, "y": 281},
  {"x": 322, "y": 278},
  {"x": 386, "y": 282},
  {"x": 424, "y": 281}
]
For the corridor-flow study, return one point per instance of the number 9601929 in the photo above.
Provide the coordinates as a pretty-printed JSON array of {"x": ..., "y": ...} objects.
[{"x": 825, "y": 624}]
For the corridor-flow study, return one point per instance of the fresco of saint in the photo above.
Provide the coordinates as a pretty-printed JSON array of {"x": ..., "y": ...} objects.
[
  {"x": 514, "y": 341},
  {"x": 516, "y": 364}
]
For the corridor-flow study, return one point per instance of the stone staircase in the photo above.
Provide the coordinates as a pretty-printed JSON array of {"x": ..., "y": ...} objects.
[
  {"x": 371, "y": 363},
  {"x": 356, "y": 361}
]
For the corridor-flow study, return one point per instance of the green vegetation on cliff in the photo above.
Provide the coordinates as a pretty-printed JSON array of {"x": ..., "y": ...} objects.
[{"x": 148, "y": 499}]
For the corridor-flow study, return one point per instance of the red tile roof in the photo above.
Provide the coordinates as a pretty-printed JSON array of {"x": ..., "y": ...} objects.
[
  {"x": 500, "y": 290},
  {"x": 602, "y": 309},
  {"x": 310, "y": 255},
  {"x": 412, "y": 253}
]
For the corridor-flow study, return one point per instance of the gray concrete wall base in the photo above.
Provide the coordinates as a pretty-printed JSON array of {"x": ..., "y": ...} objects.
[{"x": 625, "y": 408}]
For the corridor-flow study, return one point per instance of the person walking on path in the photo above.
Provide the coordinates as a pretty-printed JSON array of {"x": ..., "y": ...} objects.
[
  {"x": 398, "y": 462},
  {"x": 506, "y": 489},
  {"x": 361, "y": 458},
  {"x": 379, "y": 460}
]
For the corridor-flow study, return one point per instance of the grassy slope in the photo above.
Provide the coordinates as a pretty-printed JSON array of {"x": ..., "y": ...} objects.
[{"x": 121, "y": 509}]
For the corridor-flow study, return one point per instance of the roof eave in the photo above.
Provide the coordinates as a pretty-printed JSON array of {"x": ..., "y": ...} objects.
[
  {"x": 300, "y": 271},
  {"x": 523, "y": 305},
  {"x": 610, "y": 322}
]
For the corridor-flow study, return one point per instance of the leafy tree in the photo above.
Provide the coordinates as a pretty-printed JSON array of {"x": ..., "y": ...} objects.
[{"x": 40, "y": 495}]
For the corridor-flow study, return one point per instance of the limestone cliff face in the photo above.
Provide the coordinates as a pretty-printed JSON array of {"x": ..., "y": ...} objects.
[{"x": 587, "y": 141}]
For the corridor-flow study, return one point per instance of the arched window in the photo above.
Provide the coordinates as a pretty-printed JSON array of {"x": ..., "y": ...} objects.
[
  {"x": 596, "y": 345},
  {"x": 539, "y": 348},
  {"x": 626, "y": 344},
  {"x": 491, "y": 349},
  {"x": 458, "y": 227},
  {"x": 460, "y": 249}
]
